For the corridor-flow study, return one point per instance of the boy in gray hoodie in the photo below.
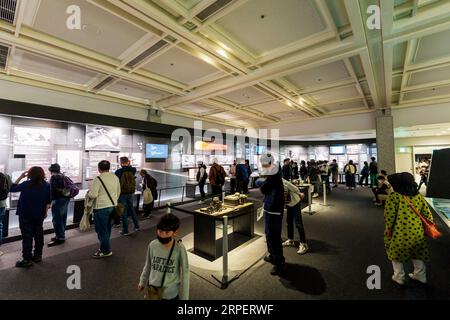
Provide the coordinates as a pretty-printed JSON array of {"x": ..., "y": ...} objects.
[{"x": 176, "y": 280}]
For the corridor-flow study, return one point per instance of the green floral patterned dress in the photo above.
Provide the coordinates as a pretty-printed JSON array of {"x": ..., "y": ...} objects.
[{"x": 408, "y": 240}]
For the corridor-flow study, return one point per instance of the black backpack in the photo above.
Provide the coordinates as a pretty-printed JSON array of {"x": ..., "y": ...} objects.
[{"x": 5, "y": 186}]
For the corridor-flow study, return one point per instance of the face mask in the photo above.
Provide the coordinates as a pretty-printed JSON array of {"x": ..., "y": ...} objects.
[{"x": 164, "y": 240}]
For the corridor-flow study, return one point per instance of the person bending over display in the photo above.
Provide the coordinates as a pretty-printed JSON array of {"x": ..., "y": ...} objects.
[{"x": 166, "y": 264}]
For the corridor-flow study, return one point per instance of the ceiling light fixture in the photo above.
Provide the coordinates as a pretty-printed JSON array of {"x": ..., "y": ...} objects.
[{"x": 222, "y": 53}]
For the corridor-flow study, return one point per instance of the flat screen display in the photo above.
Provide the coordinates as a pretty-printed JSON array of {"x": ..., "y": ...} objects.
[
  {"x": 339, "y": 149},
  {"x": 156, "y": 151},
  {"x": 261, "y": 149}
]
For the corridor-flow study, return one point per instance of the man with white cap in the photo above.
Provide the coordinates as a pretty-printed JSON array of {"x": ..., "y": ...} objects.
[
  {"x": 271, "y": 185},
  {"x": 216, "y": 177}
]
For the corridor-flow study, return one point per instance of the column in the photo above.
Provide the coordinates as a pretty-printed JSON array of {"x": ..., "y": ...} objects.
[{"x": 385, "y": 141}]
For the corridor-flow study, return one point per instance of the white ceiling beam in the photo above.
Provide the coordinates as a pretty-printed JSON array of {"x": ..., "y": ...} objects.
[
  {"x": 358, "y": 27},
  {"x": 325, "y": 14},
  {"x": 411, "y": 48},
  {"x": 327, "y": 86},
  {"x": 387, "y": 19},
  {"x": 146, "y": 12},
  {"x": 58, "y": 49},
  {"x": 429, "y": 64},
  {"x": 350, "y": 70},
  {"x": 305, "y": 60}
]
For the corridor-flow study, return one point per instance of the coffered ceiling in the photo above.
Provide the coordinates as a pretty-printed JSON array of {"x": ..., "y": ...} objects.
[{"x": 242, "y": 63}]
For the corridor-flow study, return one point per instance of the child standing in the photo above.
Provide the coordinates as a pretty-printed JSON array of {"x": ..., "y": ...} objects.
[{"x": 167, "y": 262}]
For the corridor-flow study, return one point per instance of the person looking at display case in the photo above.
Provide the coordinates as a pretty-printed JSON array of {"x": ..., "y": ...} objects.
[
  {"x": 287, "y": 169},
  {"x": 303, "y": 170},
  {"x": 201, "y": 179},
  {"x": 216, "y": 177},
  {"x": 249, "y": 173},
  {"x": 232, "y": 174},
  {"x": 34, "y": 202},
  {"x": 242, "y": 177},
  {"x": 271, "y": 186},
  {"x": 350, "y": 172},
  {"x": 149, "y": 182},
  {"x": 373, "y": 171},
  {"x": 166, "y": 264},
  {"x": 127, "y": 178},
  {"x": 424, "y": 171},
  {"x": 5, "y": 186},
  {"x": 365, "y": 172},
  {"x": 314, "y": 177},
  {"x": 106, "y": 191},
  {"x": 60, "y": 205},
  {"x": 334, "y": 169}
]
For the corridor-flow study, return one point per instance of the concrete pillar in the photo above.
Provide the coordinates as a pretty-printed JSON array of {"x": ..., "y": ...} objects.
[{"x": 385, "y": 141}]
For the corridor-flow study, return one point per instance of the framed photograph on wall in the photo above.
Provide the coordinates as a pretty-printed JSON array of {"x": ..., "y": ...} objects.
[{"x": 99, "y": 138}]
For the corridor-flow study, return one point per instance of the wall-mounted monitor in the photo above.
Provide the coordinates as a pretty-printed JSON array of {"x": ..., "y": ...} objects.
[
  {"x": 337, "y": 149},
  {"x": 261, "y": 149},
  {"x": 99, "y": 138},
  {"x": 156, "y": 151}
]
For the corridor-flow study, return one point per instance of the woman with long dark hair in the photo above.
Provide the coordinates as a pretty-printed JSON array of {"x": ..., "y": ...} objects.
[
  {"x": 404, "y": 234},
  {"x": 34, "y": 201}
]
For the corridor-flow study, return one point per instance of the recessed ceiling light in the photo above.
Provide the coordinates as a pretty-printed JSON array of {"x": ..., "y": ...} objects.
[
  {"x": 171, "y": 64},
  {"x": 262, "y": 16},
  {"x": 319, "y": 79}
]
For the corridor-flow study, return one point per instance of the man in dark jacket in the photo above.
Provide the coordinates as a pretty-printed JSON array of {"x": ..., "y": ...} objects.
[
  {"x": 216, "y": 177},
  {"x": 201, "y": 179},
  {"x": 373, "y": 171},
  {"x": 287, "y": 170},
  {"x": 271, "y": 185},
  {"x": 60, "y": 204},
  {"x": 242, "y": 177},
  {"x": 127, "y": 178}
]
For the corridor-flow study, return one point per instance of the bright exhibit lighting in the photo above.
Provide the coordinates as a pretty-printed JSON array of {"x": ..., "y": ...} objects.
[
  {"x": 206, "y": 59},
  {"x": 289, "y": 103},
  {"x": 222, "y": 53}
]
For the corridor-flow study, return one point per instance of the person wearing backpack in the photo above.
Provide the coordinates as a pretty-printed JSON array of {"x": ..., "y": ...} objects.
[
  {"x": 201, "y": 179},
  {"x": 350, "y": 172},
  {"x": 365, "y": 175},
  {"x": 5, "y": 186},
  {"x": 127, "y": 177},
  {"x": 62, "y": 188},
  {"x": 217, "y": 176}
]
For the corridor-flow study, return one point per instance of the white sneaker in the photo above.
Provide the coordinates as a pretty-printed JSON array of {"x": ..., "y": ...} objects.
[
  {"x": 421, "y": 279},
  {"x": 303, "y": 248},
  {"x": 398, "y": 281},
  {"x": 1, "y": 253},
  {"x": 288, "y": 243},
  {"x": 315, "y": 195}
]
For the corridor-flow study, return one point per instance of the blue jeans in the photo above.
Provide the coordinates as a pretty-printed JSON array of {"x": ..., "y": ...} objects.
[
  {"x": 102, "y": 221},
  {"x": 273, "y": 226},
  {"x": 59, "y": 213},
  {"x": 127, "y": 201},
  {"x": 2, "y": 216}
]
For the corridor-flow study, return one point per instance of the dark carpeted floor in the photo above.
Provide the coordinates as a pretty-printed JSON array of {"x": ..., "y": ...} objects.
[{"x": 344, "y": 238}]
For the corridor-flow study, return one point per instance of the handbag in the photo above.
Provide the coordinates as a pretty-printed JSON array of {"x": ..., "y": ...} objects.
[
  {"x": 85, "y": 223},
  {"x": 148, "y": 196},
  {"x": 429, "y": 227},
  {"x": 156, "y": 293},
  {"x": 119, "y": 209}
]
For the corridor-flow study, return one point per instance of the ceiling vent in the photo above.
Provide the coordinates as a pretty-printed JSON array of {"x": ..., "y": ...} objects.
[
  {"x": 103, "y": 84},
  {"x": 212, "y": 9},
  {"x": 3, "y": 56},
  {"x": 147, "y": 53},
  {"x": 8, "y": 10}
]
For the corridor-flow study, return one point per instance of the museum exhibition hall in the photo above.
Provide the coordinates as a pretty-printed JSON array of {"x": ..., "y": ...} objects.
[{"x": 188, "y": 138}]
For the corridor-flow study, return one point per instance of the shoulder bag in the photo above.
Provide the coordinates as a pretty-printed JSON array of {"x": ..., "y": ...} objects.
[
  {"x": 119, "y": 209},
  {"x": 429, "y": 227},
  {"x": 156, "y": 293}
]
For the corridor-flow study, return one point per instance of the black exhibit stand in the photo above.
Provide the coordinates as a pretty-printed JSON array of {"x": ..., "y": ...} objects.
[{"x": 207, "y": 246}]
